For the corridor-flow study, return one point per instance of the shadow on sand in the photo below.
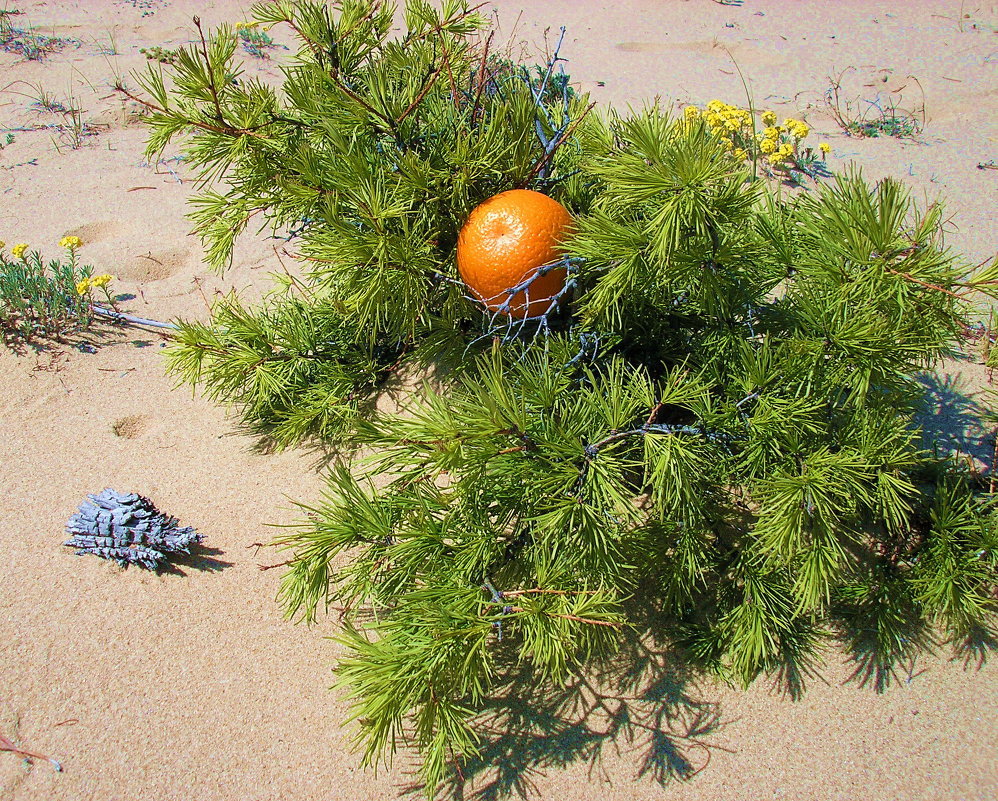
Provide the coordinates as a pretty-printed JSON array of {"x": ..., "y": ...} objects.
[
  {"x": 953, "y": 419},
  {"x": 644, "y": 703},
  {"x": 200, "y": 558}
]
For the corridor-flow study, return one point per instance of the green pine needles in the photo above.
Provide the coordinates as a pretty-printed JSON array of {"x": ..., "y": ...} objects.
[{"x": 715, "y": 431}]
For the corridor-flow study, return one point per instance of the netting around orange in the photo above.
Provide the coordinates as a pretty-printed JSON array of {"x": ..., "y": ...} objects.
[{"x": 508, "y": 239}]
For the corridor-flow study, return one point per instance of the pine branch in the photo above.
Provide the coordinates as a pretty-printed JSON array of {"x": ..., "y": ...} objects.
[
  {"x": 574, "y": 618},
  {"x": 549, "y": 151},
  {"x": 515, "y": 593},
  {"x": 211, "y": 74},
  {"x": 927, "y": 285},
  {"x": 192, "y": 123}
]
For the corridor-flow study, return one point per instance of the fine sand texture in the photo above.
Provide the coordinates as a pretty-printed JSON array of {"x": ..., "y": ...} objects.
[{"x": 187, "y": 684}]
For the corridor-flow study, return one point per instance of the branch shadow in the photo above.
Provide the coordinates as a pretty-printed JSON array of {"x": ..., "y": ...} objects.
[
  {"x": 884, "y": 634},
  {"x": 976, "y": 648},
  {"x": 878, "y": 667},
  {"x": 644, "y": 701},
  {"x": 952, "y": 419}
]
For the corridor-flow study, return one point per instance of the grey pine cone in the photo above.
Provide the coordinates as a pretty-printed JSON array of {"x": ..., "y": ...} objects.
[{"x": 128, "y": 528}]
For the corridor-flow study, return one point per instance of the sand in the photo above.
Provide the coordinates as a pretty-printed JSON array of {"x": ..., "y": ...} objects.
[{"x": 188, "y": 684}]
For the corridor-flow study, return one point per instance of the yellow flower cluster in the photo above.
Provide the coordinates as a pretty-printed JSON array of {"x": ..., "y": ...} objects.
[
  {"x": 736, "y": 128},
  {"x": 778, "y": 143},
  {"x": 243, "y": 25},
  {"x": 71, "y": 242},
  {"x": 732, "y": 124},
  {"x": 773, "y": 141},
  {"x": 19, "y": 250},
  {"x": 2, "y": 244},
  {"x": 796, "y": 128},
  {"x": 84, "y": 286},
  {"x": 724, "y": 118}
]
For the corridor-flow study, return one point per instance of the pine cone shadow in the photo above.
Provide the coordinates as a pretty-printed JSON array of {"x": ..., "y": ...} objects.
[{"x": 200, "y": 558}]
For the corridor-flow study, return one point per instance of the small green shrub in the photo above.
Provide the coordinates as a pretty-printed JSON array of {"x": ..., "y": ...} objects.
[
  {"x": 39, "y": 301},
  {"x": 27, "y": 42},
  {"x": 255, "y": 40},
  {"x": 883, "y": 116},
  {"x": 160, "y": 54}
]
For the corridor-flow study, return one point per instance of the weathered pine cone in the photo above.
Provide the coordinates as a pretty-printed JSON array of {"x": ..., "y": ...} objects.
[{"x": 128, "y": 528}]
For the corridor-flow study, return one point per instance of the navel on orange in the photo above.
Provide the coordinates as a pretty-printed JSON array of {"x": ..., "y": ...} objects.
[{"x": 504, "y": 241}]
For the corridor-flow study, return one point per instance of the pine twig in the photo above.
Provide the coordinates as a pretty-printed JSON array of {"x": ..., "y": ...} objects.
[
  {"x": 375, "y": 8},
  {"x": 368, "y": 107},
  {"x": 419, "y": 98},
  {"x": 279, "y": 564},
  {"x": 455, "y": 19},
  {"x": 994, "y": 460},
  {"x": 927, "y": 285},
  {"x": 654, "y": 413},
  {"x": 481, "y": 79},
  {"x": 121, "y": 317},
  {"x": 7, "y": 745},
  {"x": 549, "y": 153},
  {"x": 515, "y": 449},
  {"x": 211, "y": 73},
  {"x": 575, "y": 618},
  {"x": 204, "y": 126},
  {"x": 450, "y": 74}
]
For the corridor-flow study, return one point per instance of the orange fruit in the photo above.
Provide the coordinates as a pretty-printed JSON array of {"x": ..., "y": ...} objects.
[{"x": 504, "y": 241}]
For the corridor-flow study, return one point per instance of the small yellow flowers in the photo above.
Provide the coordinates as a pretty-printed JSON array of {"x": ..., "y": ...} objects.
[
  {"x": 722, "y": 117},
  {"x": 252, "y": 26},
  {"x": 776, "y": 144},
  {"x": 825, "y": 148},
  {"x": 71, "y": 242},
  {"x": 19, "y": 250},
  {"x": 2, "y": 244},
  {"x": 102, "y": 280}
]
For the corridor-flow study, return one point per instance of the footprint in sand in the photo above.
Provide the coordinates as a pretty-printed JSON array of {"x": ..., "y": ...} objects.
[
  {"x": 154, "y": 265},
  {"x": 98, "y": 231},
  {"x": 641, "y": 47},
  {"x": 744, "y": 53},
  {"x": 129, "y": 427}
]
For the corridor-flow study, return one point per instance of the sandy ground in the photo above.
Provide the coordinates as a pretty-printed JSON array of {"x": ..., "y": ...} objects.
[{"x": 188, "y": 684}]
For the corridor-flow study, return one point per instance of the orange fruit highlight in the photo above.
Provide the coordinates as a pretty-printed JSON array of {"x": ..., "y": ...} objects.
[{"x": 504, "y": 241}]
